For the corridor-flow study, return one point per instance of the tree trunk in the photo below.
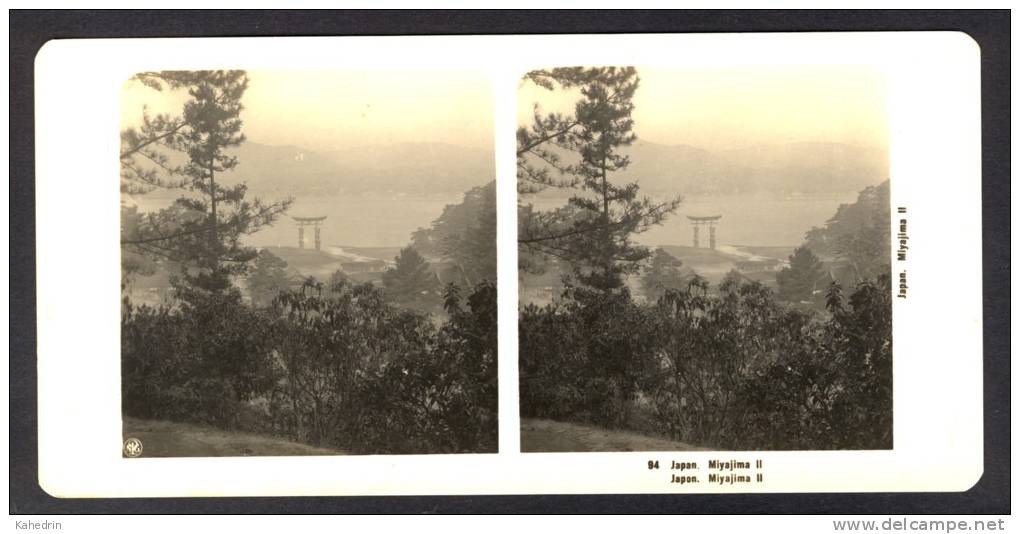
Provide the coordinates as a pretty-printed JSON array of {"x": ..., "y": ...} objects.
[
  {"x": 214, "y": 261},
  {"x": 606, "y": 233}
]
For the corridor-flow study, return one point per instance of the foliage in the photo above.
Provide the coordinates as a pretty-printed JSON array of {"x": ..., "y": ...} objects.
[
  {"x": 133, "y": 263},
  {"x": 337, "y": 367},
  {"x": 328, "y": 340},
  {"x": 708, "y": 345},
  {"x": 556, "y": 223},
  {"x": 195, "y": 363},
  {"x": 546, "y": 133},
  {"x": 267, "y": 279},
  {"x": 731, "y": 368},
  {"x": 363, "y": 376},
  {"x": 443, "y": 399},
  {"x": 858, "y": 234},
  {"x": 596, "y": 238},
  {"x": 860, "y": 342},
  {"x": 336, "y": 279},
  {"x": 726, "y": 368},
  {"x": 837, "y": 393},
  {"x": 465, "y": 234},
  {"x": 411, "y": 281},
  {"x": 582, "y": 359},
  {"x": 664, "y": 272},
  {"x": 203, "y": 228},
  {"x": 474, "y": 250},
  {"x": 144, "y": 165},
  {"x": 804, "y": 276}
]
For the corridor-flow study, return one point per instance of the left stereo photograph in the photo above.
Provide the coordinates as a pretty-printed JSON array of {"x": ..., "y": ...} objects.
[{"x": 308, "y": 263}]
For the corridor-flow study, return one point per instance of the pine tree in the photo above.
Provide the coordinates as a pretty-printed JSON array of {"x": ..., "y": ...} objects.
[
  {"x": 202, "y": 230},
  {"x": 145, "y": 165},
  {"x": 411, "y": 281},
  {"x": 267, "y": 279},
  {"x": 665, "y": 272},
  {"x": 805, "y": 274},
  {"x": 597, "y": 239}
]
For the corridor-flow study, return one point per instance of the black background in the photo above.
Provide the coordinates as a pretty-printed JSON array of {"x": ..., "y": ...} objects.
[{"x": 991, "y": 29}]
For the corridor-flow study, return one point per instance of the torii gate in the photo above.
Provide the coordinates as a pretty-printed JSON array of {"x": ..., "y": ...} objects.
[
  {"x": 710, "y": 221},
  {"x": 309, "y": 221}
]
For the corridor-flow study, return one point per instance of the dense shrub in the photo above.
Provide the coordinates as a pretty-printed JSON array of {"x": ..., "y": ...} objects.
[
  {"x": 731, "y": 368},
  {"x": 333, "y": 366},
  {"x": 197, "y": 362},
  {"x": 707, "y": 345},
  {"x": 836, "y": 392},
  {"x": 442, "y": 399},
  {"x": 583, "y": 358}
]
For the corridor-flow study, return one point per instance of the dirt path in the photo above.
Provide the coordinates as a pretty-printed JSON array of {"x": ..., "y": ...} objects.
[
  {"x": 164, "y": 439},
  {"x": 543, "y": 435}
]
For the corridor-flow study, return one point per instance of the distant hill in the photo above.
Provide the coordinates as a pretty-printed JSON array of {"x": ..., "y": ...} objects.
[
  {"x": 811, "y": 168},
  {"x": 827, "y": 169},
  {"x": 405, "y": 168}
]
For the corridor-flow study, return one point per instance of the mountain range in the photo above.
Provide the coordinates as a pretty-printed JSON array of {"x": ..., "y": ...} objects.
[
  {"x": 791, "y": 168},
  {"x": 405, "y": 168},
  {"x": 425, "y": 169}
]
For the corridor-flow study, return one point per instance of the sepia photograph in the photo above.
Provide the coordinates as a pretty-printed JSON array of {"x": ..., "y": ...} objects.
[
  {"x": 308, "y": 263},
  {"x": 730, "y": 259},
  {"x": 704, "y": 259}
]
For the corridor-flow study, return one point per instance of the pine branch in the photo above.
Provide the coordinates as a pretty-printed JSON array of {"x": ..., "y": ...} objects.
[
  {"x": 521, "y": 150},
  {"x": 137, "y": 148}
]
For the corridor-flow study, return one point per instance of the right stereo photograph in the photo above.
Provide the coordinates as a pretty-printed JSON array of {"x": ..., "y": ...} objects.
[{"x": 704, "y": 259}]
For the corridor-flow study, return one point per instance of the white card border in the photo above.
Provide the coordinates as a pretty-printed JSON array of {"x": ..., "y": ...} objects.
[{"x": 935, "y": 168}]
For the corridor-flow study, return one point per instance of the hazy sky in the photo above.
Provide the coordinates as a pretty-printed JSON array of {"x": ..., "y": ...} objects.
[
  {"x": 708, "y": 108},
  {"x": 738, "y": 107},
  {"x": 326, "y": 110}
]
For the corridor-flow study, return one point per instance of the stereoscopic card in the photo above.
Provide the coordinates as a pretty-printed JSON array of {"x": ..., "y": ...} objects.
[{"x": 466, "y": 265}]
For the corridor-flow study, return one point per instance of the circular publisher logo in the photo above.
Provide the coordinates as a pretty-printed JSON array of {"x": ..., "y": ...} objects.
[{"x": 133, "y": 448}]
